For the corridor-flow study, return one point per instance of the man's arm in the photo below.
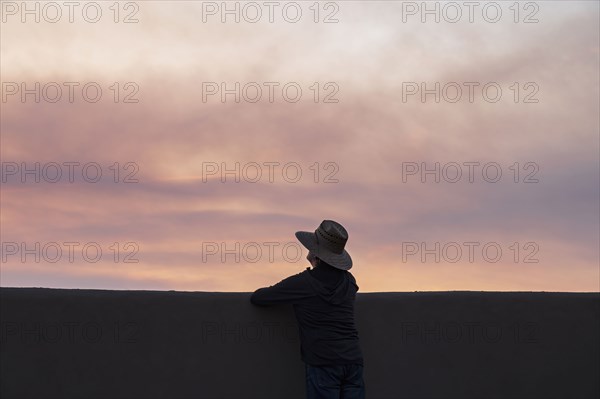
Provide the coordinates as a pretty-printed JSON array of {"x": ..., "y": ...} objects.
[{"x": 287, "y": 290}]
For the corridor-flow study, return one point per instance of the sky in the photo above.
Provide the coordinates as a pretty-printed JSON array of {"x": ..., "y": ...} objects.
[{"x": 121, "y": 131}]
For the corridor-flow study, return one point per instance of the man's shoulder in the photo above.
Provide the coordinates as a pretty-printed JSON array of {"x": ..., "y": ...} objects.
[
  {"x": 305, "y": 274},
  {"x": 298, "y": 277},
  {"x": 352, "y": 279}
]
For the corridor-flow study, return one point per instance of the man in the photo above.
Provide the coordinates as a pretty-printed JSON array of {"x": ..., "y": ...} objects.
[{"x": 323, "y": 300}]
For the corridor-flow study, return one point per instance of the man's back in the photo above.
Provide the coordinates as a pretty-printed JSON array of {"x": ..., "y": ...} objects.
[
  {"x": 326, "y": 321},
  {"x": 323, "y": 300}
]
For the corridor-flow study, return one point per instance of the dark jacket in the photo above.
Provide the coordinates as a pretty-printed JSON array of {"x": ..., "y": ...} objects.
[{"x": 323, "y": 301}]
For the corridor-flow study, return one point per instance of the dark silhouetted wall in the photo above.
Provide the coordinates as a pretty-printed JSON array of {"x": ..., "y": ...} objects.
[{"x": 150, "y": 344}]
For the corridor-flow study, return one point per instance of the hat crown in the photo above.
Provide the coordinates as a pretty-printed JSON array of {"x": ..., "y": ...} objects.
[{"x": 332, "y": 236}]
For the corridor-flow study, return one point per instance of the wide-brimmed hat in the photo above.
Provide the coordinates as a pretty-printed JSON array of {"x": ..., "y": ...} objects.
[{"x": 327, "y": 243}]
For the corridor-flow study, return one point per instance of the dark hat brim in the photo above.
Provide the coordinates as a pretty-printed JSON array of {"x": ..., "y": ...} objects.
[{"x": 341, "y": 261}]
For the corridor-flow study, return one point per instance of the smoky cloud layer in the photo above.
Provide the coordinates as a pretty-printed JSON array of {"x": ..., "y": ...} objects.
[{"x": 375, "y": 147}]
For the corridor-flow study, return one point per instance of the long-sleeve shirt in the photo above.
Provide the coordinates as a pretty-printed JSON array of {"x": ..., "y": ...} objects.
[{"x": 323, "y": 301}]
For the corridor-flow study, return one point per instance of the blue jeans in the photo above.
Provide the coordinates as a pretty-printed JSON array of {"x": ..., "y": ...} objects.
[{"x": 335, "y": 382}]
